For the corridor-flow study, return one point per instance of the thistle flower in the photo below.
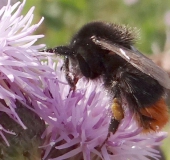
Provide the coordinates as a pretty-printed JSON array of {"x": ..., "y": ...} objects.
[
  {"x": 76, "y": 122},
  {"x": 25, "y": 142},
  {"x": 21, "y": 73},
  {"x": 78, "y": 125}
]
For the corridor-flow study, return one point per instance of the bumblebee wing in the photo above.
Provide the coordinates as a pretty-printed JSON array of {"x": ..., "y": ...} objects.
[{"x": 137, "y": 59}]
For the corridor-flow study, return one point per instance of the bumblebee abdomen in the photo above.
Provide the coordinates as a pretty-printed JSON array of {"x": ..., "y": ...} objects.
[{"x": 153, "y": 117}]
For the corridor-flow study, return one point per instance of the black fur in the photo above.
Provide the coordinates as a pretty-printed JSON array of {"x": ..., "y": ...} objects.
[{"x": 119, "y": 76}]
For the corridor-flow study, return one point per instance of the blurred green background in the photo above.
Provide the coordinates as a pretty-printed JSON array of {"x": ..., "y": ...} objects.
[{"x": 64, "y": 17}]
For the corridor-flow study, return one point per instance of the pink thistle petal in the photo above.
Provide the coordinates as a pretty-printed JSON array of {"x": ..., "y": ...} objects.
[
  {"x": 78, "y": 124},
  {"x": 21, "y": 72}
]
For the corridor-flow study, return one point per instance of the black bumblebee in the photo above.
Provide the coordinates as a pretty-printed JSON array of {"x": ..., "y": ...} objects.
[{"x": 106, "y": 50}]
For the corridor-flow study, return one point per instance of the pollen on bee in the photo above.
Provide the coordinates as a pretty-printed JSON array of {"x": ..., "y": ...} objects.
[{"x": 117, "y": 110}]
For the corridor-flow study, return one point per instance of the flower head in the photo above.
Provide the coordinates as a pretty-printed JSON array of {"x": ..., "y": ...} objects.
[
  {"x": 21, "y": 73},
  {"x": 78, "y": 125},
  {"x": 33, "y": 94}
]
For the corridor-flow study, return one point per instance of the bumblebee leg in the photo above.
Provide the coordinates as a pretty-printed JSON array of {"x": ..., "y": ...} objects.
[
  {"x": 117, "y": 116},
  {"x": 71, "y": 81},
  {"x": 108, "y": 135}
]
